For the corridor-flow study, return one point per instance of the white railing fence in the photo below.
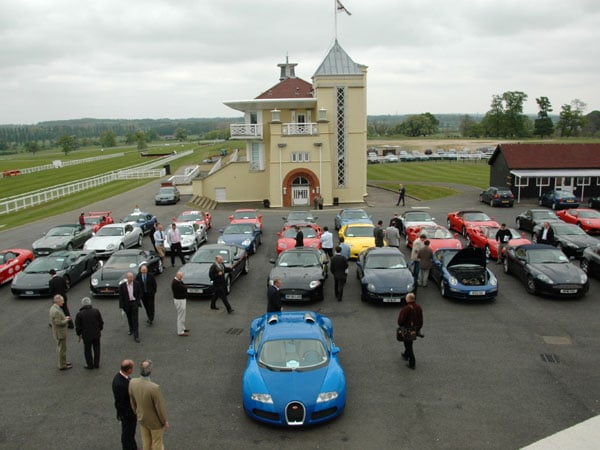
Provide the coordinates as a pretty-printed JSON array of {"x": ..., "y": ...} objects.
[{"x": 58, "y": 163}]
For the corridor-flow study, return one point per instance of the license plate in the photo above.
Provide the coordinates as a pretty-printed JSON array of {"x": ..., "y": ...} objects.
[
  {"x": 504, "y": 201},
  {"x": 477, "y": 293},
  {"x": 195, "y": 291},
  {"x": 392, "y": 300},
  {"x": 106, "y": 290},
  {"x": 568, "y": 291},
  {"x": 569, "y": 201},
  {"x": 293, "y": 296},
  {"x": 28, "y": 292}
]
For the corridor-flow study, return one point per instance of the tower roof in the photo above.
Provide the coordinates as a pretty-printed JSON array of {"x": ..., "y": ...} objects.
[{"x": 337, "y": 62}]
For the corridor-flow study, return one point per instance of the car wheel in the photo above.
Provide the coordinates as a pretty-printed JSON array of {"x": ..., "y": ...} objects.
[
  {"x": 160, "y": 267},
  {"x": 228, "y": 287},
  {"x": 443, "y": 289},
  {"x": 488, "y": 252},
  {"x": 67, "y": 282},
  {"x": 121, "y": 246},
  {"x": 69, "y": 246},
  {"x": 530, "y": 286},
  {"x": 246, "y": 267},
  {"x": 26, "y": 263},
  {"x": 505, "y": 265},
  {"x": 584, "y": 265},
  {"x": 518, "y": 224},
  {"x": 540, "y": 202},
  {"x": 140, "y": 240},
  {"x": 253, "y": 249},
  {"x": 579, "y": 225}
]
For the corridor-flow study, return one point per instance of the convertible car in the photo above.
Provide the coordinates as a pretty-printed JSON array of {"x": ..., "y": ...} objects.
[
  {"x": 384, "y": 275},
  {"x": 62, "y": 237},
  {"x": 97, "y": 219},
  {"x": 113, "y": 237},
  {"x": 461, "y": 220},
  {"x": 201, "y": 218},
  {"x": 462, "y": 274},
  {"x": 412, "y": 219},
  {"x": 247, "y": 216},
  {"x": 359, "y": 236},
  {"x": 145, "y": 221},
  {"x": 287, "y": 237},
  {"x": 485, "y": 238},
  {"x": 293, "y": 376},
  {"x": 302, "y": 271},
  {"x": 586, "y": 219},
  {"x": 73, "y": 266},
  {"x": 245, "y": 234},
  {"x": 438, "y": 236},
  {"x": 545, "y": 270},
  {"x": 13, "y": 261},
  {"x": 571, "y": 239},
  {"x": 295, "y": 217}
]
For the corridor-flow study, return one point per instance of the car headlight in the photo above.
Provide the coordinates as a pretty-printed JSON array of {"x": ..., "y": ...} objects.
[
  {"x": 584, "y": 278},
  {"x": 493, "y": 281},
  {"x": 110, "y": 246},
  {"x": 282, "y": 245},
  {"x": 246, "y": 242},
  {"x": 220, "y": 241},
  {"x": 571, "y": 245},
  {"x": 327, "y": 396},
  {"x": 94, "y": 282},
  {"x": 314, "y": 284},
  {"x": 410, "y": 286},
  {"x": 57, "y": 245},
  {"x": 263, "y": 398},
  {"x": 452, "y": 281},
  {"x": 545, "y": 278},
  {"x": 371, "y": 287},
  {"x": 587, "y": 222}
]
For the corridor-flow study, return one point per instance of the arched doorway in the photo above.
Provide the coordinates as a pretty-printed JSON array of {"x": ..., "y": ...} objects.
[{"x": 300, "y": 186}]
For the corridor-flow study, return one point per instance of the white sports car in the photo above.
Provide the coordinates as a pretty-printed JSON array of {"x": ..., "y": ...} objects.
[{"x": 113, "y": 237}]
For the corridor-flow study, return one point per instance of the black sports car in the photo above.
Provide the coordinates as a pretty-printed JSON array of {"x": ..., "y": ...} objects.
[
  {"x": 195, "y": 271},
  {"x": 384, "y": 275},
  {"x": 545, "y": 269},
  {"x": 529, "y": 219},
  {"x": 302, "y": 271},
  {"x": 71, "y": 265},
  {"x": 62, "y": 237},
  {"x": 571, "y": 239},
  {"x": 590, "y": 261},
  {"x": 105, "y": 282}
]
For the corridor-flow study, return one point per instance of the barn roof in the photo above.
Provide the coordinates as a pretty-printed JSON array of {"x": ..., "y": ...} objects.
[{"x": 549, "y": 156}]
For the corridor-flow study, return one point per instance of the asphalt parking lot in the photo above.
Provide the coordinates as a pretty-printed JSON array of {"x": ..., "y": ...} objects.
[{"x": 499, "y": 374}]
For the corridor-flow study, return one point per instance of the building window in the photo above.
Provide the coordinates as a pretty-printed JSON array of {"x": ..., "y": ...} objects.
[
  {"x": 300, "y": 156},
  {"x": 521, "y": 181},
  {"x": 542, "y": 181},
  {"x": 340, "y": 137},
  {"x": 584, "y": 181},
  {"x": 256, "y": 157}
]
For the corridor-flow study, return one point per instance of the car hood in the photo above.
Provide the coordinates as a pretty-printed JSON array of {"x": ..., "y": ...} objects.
[
  {"x": 388, "y": 279},
  {"x": 236, "y": 238},
  {"x": 51, "y": 241},
  {"x": 296, "y": 277},
  {"x": 110, "y": 275},
  {"x": 469, "y": 255},
  {"x": 101, "y": 242},
  {"x": 25, "y": 280},
  {"x": 285, "y": 387},
  {"x": 560, "y": 273},
  {"x": 196, "y": 273},
  {"x": 435, "y": 244},
  {"x": 352, "y": 221},
  {"x": 578, "y": 240}
]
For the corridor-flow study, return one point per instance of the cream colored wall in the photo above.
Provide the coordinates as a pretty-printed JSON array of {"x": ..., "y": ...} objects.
[{"x": 241, "y": 185}]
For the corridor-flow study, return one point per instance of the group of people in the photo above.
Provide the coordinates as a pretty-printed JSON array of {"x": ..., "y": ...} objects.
[
  {"x": 173, "y": 237},
  {"x": 391, "y": 234}
]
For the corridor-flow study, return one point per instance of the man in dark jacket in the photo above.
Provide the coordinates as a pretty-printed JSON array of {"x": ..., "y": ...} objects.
[
  {"x": 546, "y": 234},
  {"x": 125, "y": 414},
  {"x": 58, "y": 286},
  {"x": 129, "y": 301},
  {"x": 338, "y": 266},
  {"x": 216, "y": 273},
  {"x": 148, "y": 284},
  {"x": 299, "y": 237},
  {"x": 378, "y": 234},
  {"x": 503, "y": 236},
  {"x": 274, "y": 296},
  {"x": 88, "y": 326},
  {"x": 411, "y": 317}
]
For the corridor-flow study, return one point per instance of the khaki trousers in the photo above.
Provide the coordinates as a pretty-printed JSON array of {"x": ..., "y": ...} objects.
[
  {"x": 152, "y": 439},
  {"x": 61, "y": 352}
]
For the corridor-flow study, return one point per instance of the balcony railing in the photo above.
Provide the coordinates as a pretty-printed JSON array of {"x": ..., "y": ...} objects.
[
  {"x": 299, "y": 129},
  {"x": 246, "y": 131}
]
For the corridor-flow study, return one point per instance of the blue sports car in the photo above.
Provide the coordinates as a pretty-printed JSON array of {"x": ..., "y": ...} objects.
[
  {"x": 462, "y": 274},
  {"x": 143, "y": 220},
  {"x": 384, "y": 275},
  {"x": 293, "y": 376},
  {"x": 246, "y": 235}
]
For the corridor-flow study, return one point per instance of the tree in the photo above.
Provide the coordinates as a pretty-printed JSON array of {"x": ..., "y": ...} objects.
[
  {"x": 543, "y": 125},
  {"x": 151, "y": 134},
  {"x": 418, "y": 125},
  {"x": 469, "y": 127},
  {"x": 32, "y": 146},
  {"x": 140, "y": 138},
  {"x": 181, "y": 134},
  {"x": 592, "y": 126},
  {"x": 108, "y": 139},
  {"x": 68, "y": 143},
  {"x": 506, "y": 118},
  {"x": 571, "y": 118}
]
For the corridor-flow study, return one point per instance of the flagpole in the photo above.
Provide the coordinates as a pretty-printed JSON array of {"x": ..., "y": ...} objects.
[{"x": 335, "y": 20}]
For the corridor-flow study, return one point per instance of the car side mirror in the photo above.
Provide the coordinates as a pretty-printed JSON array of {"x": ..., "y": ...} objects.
[
  {"x": 335, "y": 349},
  {"x": 272, "y": 261},
  {"x": 250, "y": 351}
]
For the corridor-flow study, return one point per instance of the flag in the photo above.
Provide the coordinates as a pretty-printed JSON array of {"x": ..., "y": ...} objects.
[{"x": 341, "y": 8}]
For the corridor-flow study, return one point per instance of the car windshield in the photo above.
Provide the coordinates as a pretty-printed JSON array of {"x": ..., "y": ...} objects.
[
  {"x": 359, "y": 232},
  {"x": 60, "y": 231},
  {"x": 563, "y": 194},
  {"x": 121, "y": 262},
  {"x": 542, "y": 214},
  {"x": 546, "y": 256},
  {"x": 93, "y": 220},
  {"x": 245, "y": 215},
  {"x": 292, "y": 354},
  {"x": 208, "y": 255},
  {"x": 135, "y": 218},
  {"x": 43, "y": 265},
  {"x": 298, "y": 259},
  {"x": 446, "y": 255},
  {"x": 385, "y": 262},
  {"x": 110, "y": 231},
  {"x": 417, "y": 217},
  {"x": 308, "y": 232},
  {"x": 354, "y": 215},
  {"x": 589, "y": 214},
  {"x": 476, "y": 217},
  {"x": 167, "y": 191},
  {"x": 240, "y": 228},
  {"x": 186, "y": 230},
  {"x": 300, "y": 215},
  {"x": 191, "y": 217},
  {"x": 436, "y": 233},
  {"x": 568, "y": 230}
]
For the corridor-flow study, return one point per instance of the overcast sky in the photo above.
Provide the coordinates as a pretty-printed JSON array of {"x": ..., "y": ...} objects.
[{"x": 132, "y": 59}]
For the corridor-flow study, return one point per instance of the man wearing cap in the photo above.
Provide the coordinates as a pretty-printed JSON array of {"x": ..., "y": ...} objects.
[{"x": 88, "y": 326}]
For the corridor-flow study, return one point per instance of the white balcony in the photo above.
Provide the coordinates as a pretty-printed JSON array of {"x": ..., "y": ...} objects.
[
  {"x": 246, "y": 131},
  {"x": 299, "y": 129}
]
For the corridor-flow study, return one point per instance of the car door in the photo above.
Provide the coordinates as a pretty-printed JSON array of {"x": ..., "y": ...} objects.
[{"x": 77, "y": 267}]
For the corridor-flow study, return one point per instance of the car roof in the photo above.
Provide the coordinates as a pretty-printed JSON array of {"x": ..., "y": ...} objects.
[
  {"x": 292, "y": 324},
  {"x": 536, "y": 247},
  {"x": 384, "y": 251},
  {"x": 301, "y": 250}
]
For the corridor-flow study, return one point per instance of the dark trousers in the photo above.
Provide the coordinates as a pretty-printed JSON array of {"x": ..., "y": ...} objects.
[
  {"x": 416, "y": 269},
  {"x": 220, "y": 292},
  {"x": 92, "y": 346},
  {"x": 339, "y": 283},
  {"x": 128, "y": 432},
  {"x": 132, "y": 318},
  {"x": 408, "y": 353},
  {"x": 176, "y": 251},
  {"x": 328, "y": 252},
  {"x": 400, "y": 199},
  {"x": 148, "y": 301},
  {"x": 66, "y": 311}
]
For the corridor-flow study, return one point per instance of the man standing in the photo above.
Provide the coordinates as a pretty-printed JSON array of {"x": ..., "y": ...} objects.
[
  {"x": 327, "y": 242},
  {"x": 216, "y": 274},
  {"x": 82, "y": 220},
  {"x": 129, "y": 301},
  {"x": 299, "y": 237},
  {"x": 149, "y": 405},
  {"x": 174, "y": 240},
  {"x": 396, "y": 222},
  {"x": 148, "y": 284},
  {"x": 378, "y": 234},
  {"x": 58, "y": 286},
  {"x": 179, "y": 299},
  {"x": 545, "y": 235},
  {"x": 392, "y": 236},
  {"x": 414, "y": 255},
  {"x": 401, "y": 193},
  {"x": 503, "y": 236},
  {"x": 425, "y": 256},
  {"x": 159, "y": 242},
  {"x": 338, "y": 266},
  {"x": 89, "y": 325},
  {"x": 345, "y": 248},
  {"x": 274, "y": 296},
  {"x": 411, "y": 317},
  {"x": 59, "y": 330},
  {"x": 120, "y": 388}
]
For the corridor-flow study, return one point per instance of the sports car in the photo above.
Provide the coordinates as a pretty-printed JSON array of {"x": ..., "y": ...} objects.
[
  {"x": 195, "y": 271},
  {"x": 62, "y": 237},
  {"x": 113, "y": 237},
  {"x": 590, "y": 261},
  {"x": 143, "y": 220},
  {"x": 462, "y": 274},
  {"x": 461, "y": 220},
  {"x": 439, "y": 236},
  {"x": 192, "y": 236},
  {"x": 73, "y": 266},
  {"x": 351, "y": 215},
  {"x": 168, "y": 194},
  {"x": 13, "y": 261},
  {"x": 545, "y": 270},
  {"x": 594, "y": 202},
  {"x": 384, "y": 275},
  {"x": 558, "y": 199},
  {"x": 497, "y": 196},
  {"x": 247, "y": 216},
  {"x": 416, "y": 219},
  {"x": 529, "y": 219},
  {"x": 201, "y": 218},
  {"x": 105, "y": 282},
  {"x": 587, "y": 219},
  {"x": 302, "y": 271},
  {"x": 359, "y": 236},
  {"x": 295, "y": 217},
  {"x": 571, "y": 239},
  {"x": 245, "y": 234},
  {"x": 293, "y": 376},
  {"x": 485, "y": 238},
  {"x": 287, "y": 236},
  {"x": 97, "y": 219}
]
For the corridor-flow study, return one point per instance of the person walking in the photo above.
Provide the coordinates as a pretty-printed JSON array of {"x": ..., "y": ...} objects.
[
  {"x": 345, "y": 248},
  {"x": 179, "y": 299},
  {"x": 174, "y": 240},
  {"x": 378, "y": 234},
  {"x": 425, "y": 256},
  {"x": 274, "y": 296},
  {"x": 327, "y": 242},
  {"x": 149, "y": 405},
  {"x": 58, "y": 286},
  {"x": 411, "y": 317},
  {"x": 88, "y": 326},
  {"x": 338, "y": 266},
  {"x": 59, "y": 322},
  {"x": 129, "y": 301},
  {"x": 125, "y": 414},
  {"x": 216, "y": 273},
  {"x": 151, "y": 234},
  {"x": 414, "y": 255},
  {"x": 159, "y": 242},
  {"x": 503, "y": 236},
  {"x": 392, "y": 236},
  {"x": 148, "y": 284},
  {"x": 401, "y": 195}
]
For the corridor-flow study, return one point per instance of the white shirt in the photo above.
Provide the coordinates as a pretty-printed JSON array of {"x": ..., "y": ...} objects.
[
  {"x": 327, "y": 239},
  {"x": 173, "y": 236}
]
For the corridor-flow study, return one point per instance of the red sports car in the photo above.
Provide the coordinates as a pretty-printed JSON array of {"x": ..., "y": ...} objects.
[
  {"x": 485, "y": 237},
  {"x": 438, "y": 236},
  {"x": 247, "y": 216},
  {"x": 461, "y": 220},
  {"x": 587, "y": 219},
  {"x": 97, "y": 219},
  {"x": 13, "y": 261},
  {"x": 199, "y": 217},
  {"x": 287, "y": 237}
]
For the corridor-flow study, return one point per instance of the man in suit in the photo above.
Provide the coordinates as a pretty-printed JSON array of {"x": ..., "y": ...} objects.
[
  {"x": 89, "y": 325},
  {"x": 59, "y": 322},
  {"x": 299, "y": 237},
  {"x": 338, "y": 266},
  {"x": 58, "y": 286},
  {"x": 546, "y": 234},
  {"x": 149, "y": 405},
  {"x": 148, "y": 284},
  {"x": 274, "y": 296},
  {"x": 129, "y": 301},
  {"x": 216, "y": 274},
  {"x": 125, "y": 414}
]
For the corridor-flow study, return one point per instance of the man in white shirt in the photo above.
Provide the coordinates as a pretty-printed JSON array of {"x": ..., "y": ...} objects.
[
  {"x": 174, "y": 240},
  {"x": 327, "y": 242},
  {"x": 159, "y": 242}
]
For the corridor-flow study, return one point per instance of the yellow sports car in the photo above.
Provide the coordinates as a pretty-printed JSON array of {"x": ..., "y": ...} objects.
[{"x": 359, "y": 236}]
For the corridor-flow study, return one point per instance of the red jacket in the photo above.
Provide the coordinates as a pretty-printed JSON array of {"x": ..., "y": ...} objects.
[{"x": 411, "y": 316}]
